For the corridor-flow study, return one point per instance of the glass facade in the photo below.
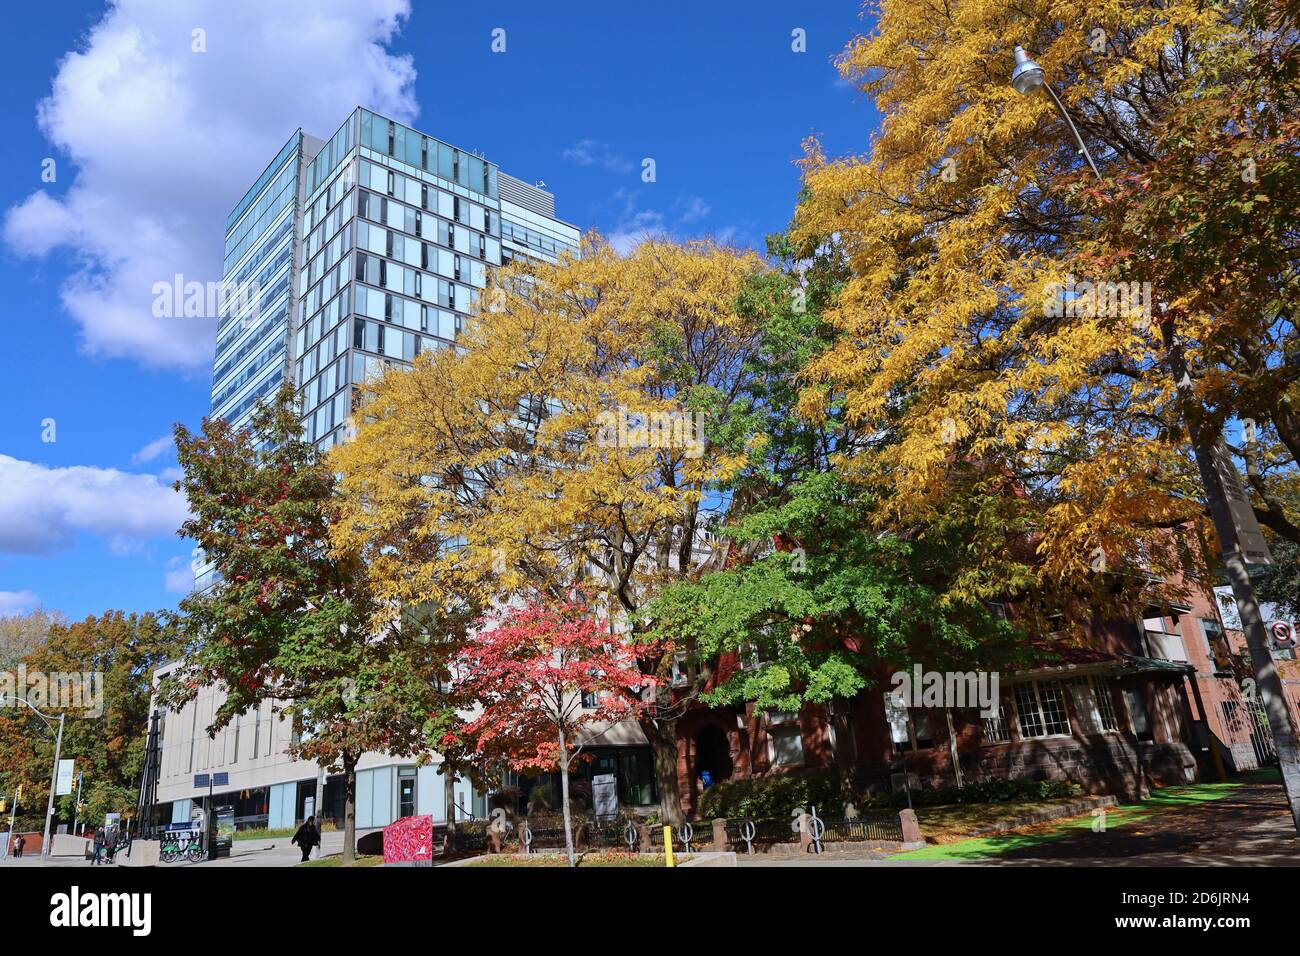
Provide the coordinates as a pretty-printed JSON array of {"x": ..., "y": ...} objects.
[
  {"x": 253, "y": 331},
  {"x": 366, "y": 250}
]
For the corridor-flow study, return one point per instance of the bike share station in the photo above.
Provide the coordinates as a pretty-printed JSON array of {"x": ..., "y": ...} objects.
[{"x": 210, "y": 831}]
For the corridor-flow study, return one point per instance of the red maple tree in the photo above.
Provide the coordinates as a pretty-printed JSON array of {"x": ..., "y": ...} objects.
[{"x": 542, "y": 674}]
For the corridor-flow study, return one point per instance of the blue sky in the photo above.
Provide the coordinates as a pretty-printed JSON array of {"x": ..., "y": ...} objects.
[{"x": 153, "y": 143}]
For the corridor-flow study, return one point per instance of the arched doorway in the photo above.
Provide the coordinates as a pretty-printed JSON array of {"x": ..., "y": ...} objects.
[{"x": 712, "y": 753}]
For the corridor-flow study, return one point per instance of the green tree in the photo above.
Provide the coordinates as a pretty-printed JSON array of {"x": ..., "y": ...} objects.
[
  {"x": 812, "y": 596},
  {"x": 289, "y": 619}
]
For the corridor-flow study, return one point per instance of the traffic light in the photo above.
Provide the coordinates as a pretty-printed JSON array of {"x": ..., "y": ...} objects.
[{"x": 4, "y": 805}]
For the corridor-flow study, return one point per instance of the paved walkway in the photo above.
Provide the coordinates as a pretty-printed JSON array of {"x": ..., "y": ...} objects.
[
  {"x": 275, "y": 851},
  {"x": 1211, "y": 825}
]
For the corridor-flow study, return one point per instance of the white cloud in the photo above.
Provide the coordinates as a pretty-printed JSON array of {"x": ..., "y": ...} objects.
[
  {"x": 152, "y": 450},
  {"x": 633, "y": 223},
  {"x": 164, "y": 141},
  {"x": 179, "y": 576},
  {"x": 42, "y": 508},
  {"x": 692, "y": 208},
  {"x": 590, "y": 152},
  {"x": 18, "y": 602}
]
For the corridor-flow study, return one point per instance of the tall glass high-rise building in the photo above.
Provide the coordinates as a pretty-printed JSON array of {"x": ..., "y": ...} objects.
[{"x": 365, "y": 249}]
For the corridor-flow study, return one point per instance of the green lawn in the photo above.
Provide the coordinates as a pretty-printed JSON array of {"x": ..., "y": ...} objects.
[
  {"x": 265, "y": 834},
  {"x": 1159, "y": 802},
  {"x": 337, "y": 860}
]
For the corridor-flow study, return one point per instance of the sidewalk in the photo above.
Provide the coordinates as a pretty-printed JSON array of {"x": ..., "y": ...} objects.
[{"x": 275, "y": 851}]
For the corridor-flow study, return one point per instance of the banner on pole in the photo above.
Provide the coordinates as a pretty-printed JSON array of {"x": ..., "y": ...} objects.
[{"x": 66, "y": 775}]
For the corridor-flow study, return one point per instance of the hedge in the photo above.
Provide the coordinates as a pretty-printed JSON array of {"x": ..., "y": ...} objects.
[{"x": 773, "y": 797}]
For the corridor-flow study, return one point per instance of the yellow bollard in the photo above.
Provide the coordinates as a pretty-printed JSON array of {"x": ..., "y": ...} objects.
[{"x": 668, "y": 846}]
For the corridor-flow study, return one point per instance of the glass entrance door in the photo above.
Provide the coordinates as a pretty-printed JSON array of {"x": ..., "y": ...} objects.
[{"x": 406, "y": 797}]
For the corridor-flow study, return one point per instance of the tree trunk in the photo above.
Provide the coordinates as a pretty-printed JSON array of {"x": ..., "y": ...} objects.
[
  {"x": 663, "y": 743},
  {"x": 349, "y": 808},
  {"x": 952, "y": 745},
  {"x": 845, "y": 755},
  {"x": 564, "y": 796},
  {"x": 449, "y": 797}
]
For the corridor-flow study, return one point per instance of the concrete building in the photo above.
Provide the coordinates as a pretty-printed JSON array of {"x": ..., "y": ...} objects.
[{"x": 268, "y": 788}]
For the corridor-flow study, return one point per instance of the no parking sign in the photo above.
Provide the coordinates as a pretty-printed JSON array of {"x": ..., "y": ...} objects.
[{"x": 1283, "y": 634}]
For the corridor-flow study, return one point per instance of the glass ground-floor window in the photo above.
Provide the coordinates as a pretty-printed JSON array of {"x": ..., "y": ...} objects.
[{"x": 632, "y": 766}]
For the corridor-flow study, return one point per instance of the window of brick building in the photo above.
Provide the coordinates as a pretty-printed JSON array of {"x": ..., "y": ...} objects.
[
  {"x": 1138, "y": 713},
  {"x": 784, "y": 739},
  {"x": 923, "y": 727},
  {"x": 1163, "y": 640},
  {"x": 996, "y": 728},
  {"x": 1093, "y": 707},
  {"x": 1040, "y": 709}
]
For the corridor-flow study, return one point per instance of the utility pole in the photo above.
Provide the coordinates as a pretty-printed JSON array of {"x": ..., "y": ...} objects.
[
  {"x": 1212, "y": 466},
  {"x": 54, "y": 781}
]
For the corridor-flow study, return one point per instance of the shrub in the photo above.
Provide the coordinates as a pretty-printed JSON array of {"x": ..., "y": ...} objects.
[{"x": 773, "y": 797}]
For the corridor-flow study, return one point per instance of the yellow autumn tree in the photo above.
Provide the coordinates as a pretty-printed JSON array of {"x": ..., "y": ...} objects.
[
  {"x": 991, "y": 327},
  {"x": 565, "y": 440}
]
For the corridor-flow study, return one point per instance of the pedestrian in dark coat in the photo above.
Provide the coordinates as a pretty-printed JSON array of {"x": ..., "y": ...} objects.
[{"x": 307, "y": 837}]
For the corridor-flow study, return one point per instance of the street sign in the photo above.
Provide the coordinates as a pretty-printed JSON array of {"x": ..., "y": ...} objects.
[
  {"x": 1283, "y": 634},
  {"x": 67, "y": 773},
  {"x": 896, "y": 714}
]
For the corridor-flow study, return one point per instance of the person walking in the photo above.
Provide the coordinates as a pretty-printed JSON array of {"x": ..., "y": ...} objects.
[
  {"x": 307, "y": 837},
  {"x": 98, "y": 846},
  {"x": 19, "y": 842}
]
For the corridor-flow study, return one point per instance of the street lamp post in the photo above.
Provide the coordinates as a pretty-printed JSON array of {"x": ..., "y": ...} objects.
[
  {"x": 54, "y": 774},
  {"x": 54, "y": 781},
  {"x": 1027, "y": 77}
]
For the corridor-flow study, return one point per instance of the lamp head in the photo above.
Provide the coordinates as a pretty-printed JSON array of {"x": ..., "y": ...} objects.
[{"x": 1028, "y": 75}]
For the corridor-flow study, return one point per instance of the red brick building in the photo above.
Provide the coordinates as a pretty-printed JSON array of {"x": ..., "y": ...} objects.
[{"x": 1150, "y": 702}]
